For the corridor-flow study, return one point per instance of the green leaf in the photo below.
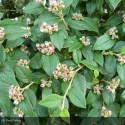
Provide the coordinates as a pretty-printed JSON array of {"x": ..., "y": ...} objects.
[
  {"x": 114, "y": 20},
  {"x": 5, "y": 103},
  {"x": 74, "y": 3},
  {"x": 110, "y": 65},
  {"x": 45, "y": 92},
  {"x": 77, "y": 56},
  {"x": 27, "y": 108},
  {"x": 18, "y": 54},
  {"x": 108, "y": 97},
  {"x": 49, "y": 63},
  {"x": 64, "y": 114},
  {"x": 7, "y": 78},
  {"x": 90, "y": 7},
  {"x": 34, "y": 8},
  {"x": 14, "y": 43},
  {"x": 52, "y": 101},
  {"x": 96, "y": 73},
  {"x": 23, "y": 74},
  {"x": 58, "y": 38},
  {"x": 94, "y": 99},
  {"x": 98, "y": 57},
  {"x": 87, "y": 52},
  {"x": 56, "y": 86},
  {"x": 30, "y": 95},
  {"x": 32, "y": 120},
  {"x": 41, "y": 111},
  {"x": 122, "y": 111},
  {"x": 77, "y": 97},
  {"x": 95, "y": 112},
  {"x": 2, "y": 55},
  {"x": 75, "y": 46},
  {"x": 87, "y": 24},
  {"x": 123, "y": 50},
  {"x": 115, "y": 108},
  {"x": 117, "y": 47},
  {"x": 37, "y": 76},
  {"x": 36, "y": 61},
  {"x": 12, "y": 34},
  {"x": 99, "y": 4},
  {"x": 47, "y": 17},
  {"x": 114, "y": 3},
  {"x": 104, "y": 43},
  {"x": 90, "y": 64},
  {"x": 121, "y": 71},
  {"x": 67, "y": 2},
  {"x": 79, "y": 82}
]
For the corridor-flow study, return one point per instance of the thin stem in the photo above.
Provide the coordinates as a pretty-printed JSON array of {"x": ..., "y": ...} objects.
[
  {"x": 60, "y": 14},
  {"x": 68, "y": 88},
  {"x": 108, "y": 82},
  {"x": 27, "y": 87},
  {"x": 65, "y": 23}
]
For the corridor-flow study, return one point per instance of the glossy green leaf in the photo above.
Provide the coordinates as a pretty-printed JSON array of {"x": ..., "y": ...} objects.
[
  {"x": 90, "y": 64},
  {"x": 77, "y": 97},
  {"x": 49, "y": 63},
  {"x": 103, "y": 43},
  {"x": 52, "y": 101},
  {"x": 23, "y": 74},
  {"x": 114, "y": 3},
  {"x": 58, "y": 38}
]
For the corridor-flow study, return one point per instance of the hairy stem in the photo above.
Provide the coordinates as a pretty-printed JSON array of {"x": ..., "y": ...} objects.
[
  {"x": 68, "y": 88},
  {"x": 65, "y": 23},
  {"x": 26, "y": 87}
]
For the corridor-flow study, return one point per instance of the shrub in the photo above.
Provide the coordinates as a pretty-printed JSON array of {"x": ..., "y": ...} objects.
[{"x": 64, "y": 59}]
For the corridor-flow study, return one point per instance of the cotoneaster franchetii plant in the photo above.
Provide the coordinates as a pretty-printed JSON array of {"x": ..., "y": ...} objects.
[{"x": 64, "y": 58}]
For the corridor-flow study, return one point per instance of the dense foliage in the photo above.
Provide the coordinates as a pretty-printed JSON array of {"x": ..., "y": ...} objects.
[{"x": 63, "y": 59}]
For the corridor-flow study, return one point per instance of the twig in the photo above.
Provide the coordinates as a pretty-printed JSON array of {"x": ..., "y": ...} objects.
[
  {"x": 68, "y": 88},
  {"x": 27, "y": 87}
]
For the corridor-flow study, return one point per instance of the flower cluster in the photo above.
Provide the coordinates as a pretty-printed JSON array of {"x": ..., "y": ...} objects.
[
  {"x": 16, "y": 19},
  {"x": 62, "y": 71},
  {"x": 46, "y": 28},
  {"x": 28, "y": 34},
  {"x": 113, "y": 32},
  {"x": 23, "y": 62},
  {"x": 85, "y": 41},
  {"x": 1, "y": 114},
  {"x": 113, "y": 86},
  {"x": 46, "y": 48},
  {"x": 28, "y": 21},
  {"x": 105, "y": 53},
  {"x": 123, "y": 17},
  {"x": 56, "y": 6},
  {"x": 45, "y": 83},
  {"x": 97, "y": 89},
  {"x": 121, "y": 59},
  {"x": 15, "y": 93},
  {"x": 105, "y": 113},
  {"x": 7, "y": 50},
  {"x": 24, "y": 49},
  {"x": 17, "y": 111},
  {"x": 1, "y": 32},
  {"x": 77, "y": 16}
]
